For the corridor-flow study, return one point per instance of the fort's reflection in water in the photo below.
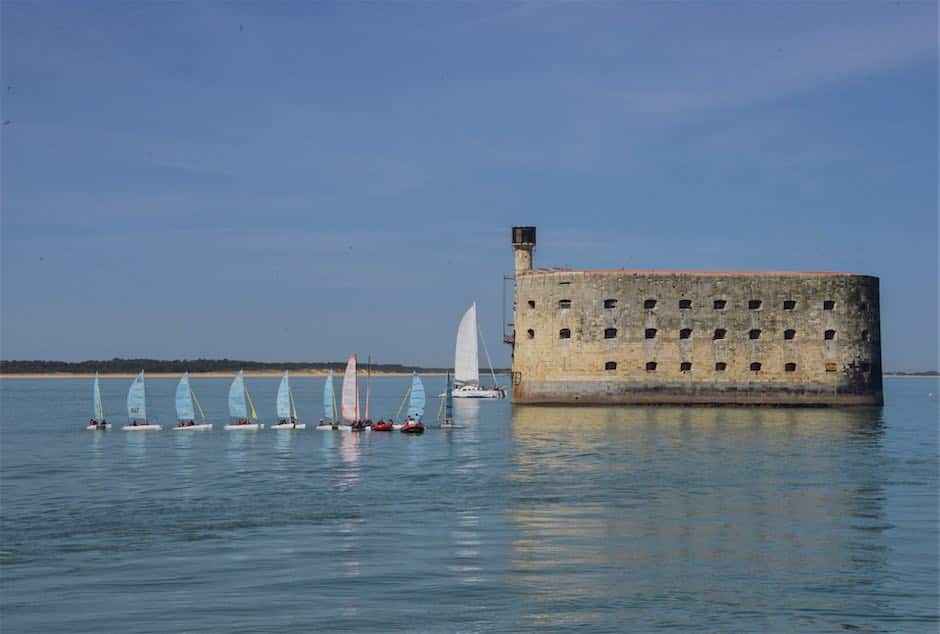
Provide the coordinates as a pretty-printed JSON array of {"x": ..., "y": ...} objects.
[{"x": 731, "y": 506}]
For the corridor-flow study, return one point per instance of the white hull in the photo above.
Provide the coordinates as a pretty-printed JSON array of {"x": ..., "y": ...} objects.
[
  {"x": 288, "y": 426},
  {"x": 473, "y": 391},
  {"x": 249, "y": 427},
  {"x": 106, "y": 427},
  {"x": 142, "y": 428},
  {"x": 331, "y": 428},
  {"x": 199, "y": 427}
]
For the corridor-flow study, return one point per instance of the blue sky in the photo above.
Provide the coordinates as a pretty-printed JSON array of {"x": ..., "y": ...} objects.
[{"x": 299, "y": 181}]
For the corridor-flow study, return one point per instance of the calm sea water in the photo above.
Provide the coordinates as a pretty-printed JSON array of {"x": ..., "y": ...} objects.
[{"x": 522, "y": 519}]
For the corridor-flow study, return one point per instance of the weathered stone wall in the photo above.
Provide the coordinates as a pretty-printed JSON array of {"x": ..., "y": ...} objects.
[{"x": 808, "y": 369}]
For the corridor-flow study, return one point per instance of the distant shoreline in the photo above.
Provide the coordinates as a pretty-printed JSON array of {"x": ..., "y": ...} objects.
[{"x": 199, "y": 375}]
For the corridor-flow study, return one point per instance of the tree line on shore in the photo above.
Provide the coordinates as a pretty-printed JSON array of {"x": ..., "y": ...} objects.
[{"x": 130, "y": 366}]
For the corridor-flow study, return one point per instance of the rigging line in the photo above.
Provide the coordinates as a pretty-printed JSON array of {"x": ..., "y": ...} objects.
[
  {"x": 407, "y": 394},
  {"x": 254, "y": 414},
  {"x": 488, "y": 360},
  {"x": 202, "y": 414}
]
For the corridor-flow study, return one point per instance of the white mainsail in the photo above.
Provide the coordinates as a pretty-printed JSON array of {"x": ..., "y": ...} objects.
[
  {"x": 466, "y": 356},
  {"x": 350, "y": 403}
]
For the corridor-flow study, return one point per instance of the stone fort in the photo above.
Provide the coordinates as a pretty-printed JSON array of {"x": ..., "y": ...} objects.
[{"x": 692, "y": 337}]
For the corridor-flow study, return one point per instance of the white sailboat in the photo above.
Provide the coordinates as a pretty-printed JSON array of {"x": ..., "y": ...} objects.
[
  {"x": 185, "y": 413},
  {"x": 137, "y": 407},
  {"x": 467, "y": 361},
  {"x": 238, "y": 403},
  {"x": 328, "y": 422},
  {"x": 350, "y": 395},
  {"x": 98, "y": 422},
  {"x": 286, "y": 409}
]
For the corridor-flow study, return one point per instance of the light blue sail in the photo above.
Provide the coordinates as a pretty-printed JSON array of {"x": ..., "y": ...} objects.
[
  {"x": 99, "y": 408},
  {"x": 137, "y": 399},
  {"x": 328, "y": 397},
  {"x": 449, "y": 399},
  {"x": 184, "y": 400},
  {"x": 283, "y": 399},
  {"x": 417, "y": 399},
  {"x": 237, "y": 406}
]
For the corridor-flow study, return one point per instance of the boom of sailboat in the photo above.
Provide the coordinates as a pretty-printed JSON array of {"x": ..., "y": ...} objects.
[{"x": 349, "y": 416}]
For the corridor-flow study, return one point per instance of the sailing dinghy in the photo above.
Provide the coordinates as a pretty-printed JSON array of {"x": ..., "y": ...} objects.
[
  {"x": 98, "y": 422},
  {"x": 445, "y": 414},
  {"x": 286, "y": 410},
  {"x": 238, "y": 402},
  {"x": 416, "y": 402},
  {"x": 350, "y": 397},
  {"x": 137, "y": 407},
  {"x": 328, "y": 422},
  {"x": 467, "y": 361},
  {"x": 185, "y": 413}
]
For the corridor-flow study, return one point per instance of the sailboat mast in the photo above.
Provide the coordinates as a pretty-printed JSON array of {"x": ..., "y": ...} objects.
[{"x": 368, "y": 383}]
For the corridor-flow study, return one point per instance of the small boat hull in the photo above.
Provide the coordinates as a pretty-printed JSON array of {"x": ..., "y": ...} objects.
[
  {"x": 142, "y": 427},
  {"x": 383, "y": 427},
  {"x": 248, "y": 427},
  {"x": 199, "y": 427},
  {"x": 288, "y": 426},
  {"x": 412, "y": 428},
  {"x": 105, "y": 427}
]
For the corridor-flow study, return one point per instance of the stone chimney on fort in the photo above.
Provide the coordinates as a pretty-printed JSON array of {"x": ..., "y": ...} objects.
[{"x": 523, "y": 244}]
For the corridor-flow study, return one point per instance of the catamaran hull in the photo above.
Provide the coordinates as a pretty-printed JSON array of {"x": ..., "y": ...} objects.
[
  {"x": 332, "y": 428},
  {"x": 142, "y": 427},
  {"x": 288, "y": 426},
  {"x": 249, "y": 427},
  {"x": 199, "y": 427},
  {"x": 476, "y": 393},
  {"x": 105, "y": 427}
]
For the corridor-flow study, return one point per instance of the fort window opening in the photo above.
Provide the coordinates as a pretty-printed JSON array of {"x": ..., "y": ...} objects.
[
  {"x": 530, "y": 333},
  {"x": 829, "y": 335},
  {"x": 866, "y": 336},
  {"x": 830, "y": 367},
  {"x": 610, "y": 303},
  {"x": 685, "y": 366},
  {"x": 564, "y": 303},
  {"x": 790, "y": 367},
  {"x": 866, "y": 367},
  {"x": 789, "y": 304},
  {"x": 610, "y": 333},
  {"x": 564, "y": 283},
  {"x": 721, "y": 366},
  {"x": 610, "y": 365},
  {"x": 564, "y": 333},
  {"x": 720, "y": 333},
  {"x": 531, "y": 303},
  {"x": 789, "y": 334},
  {"x": 650, "y": 366},
  {"x": 754, "y": 304},
  {"x": 720, "y": 304},
  {"x": 754, "y": 333},
  {"x": 649, "y": 304},
  {"x": 650, "y": 333},
  {"x": 685, "y": 303},
  {"x": 829, "y": 304},
  {"x": 755, "y": 367},
  {"x": 685, "y": 333}
]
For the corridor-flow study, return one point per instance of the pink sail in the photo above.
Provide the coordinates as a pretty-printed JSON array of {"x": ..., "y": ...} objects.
[{"x": 351, "y": 391}]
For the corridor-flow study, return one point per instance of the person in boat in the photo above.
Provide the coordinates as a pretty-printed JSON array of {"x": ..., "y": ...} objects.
[
  {"x": 242, "y": 421},
  {"x": 293, "y": 422},
  {"x": 283, "y": 421},
  {"x": 92, "y": 422}
]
